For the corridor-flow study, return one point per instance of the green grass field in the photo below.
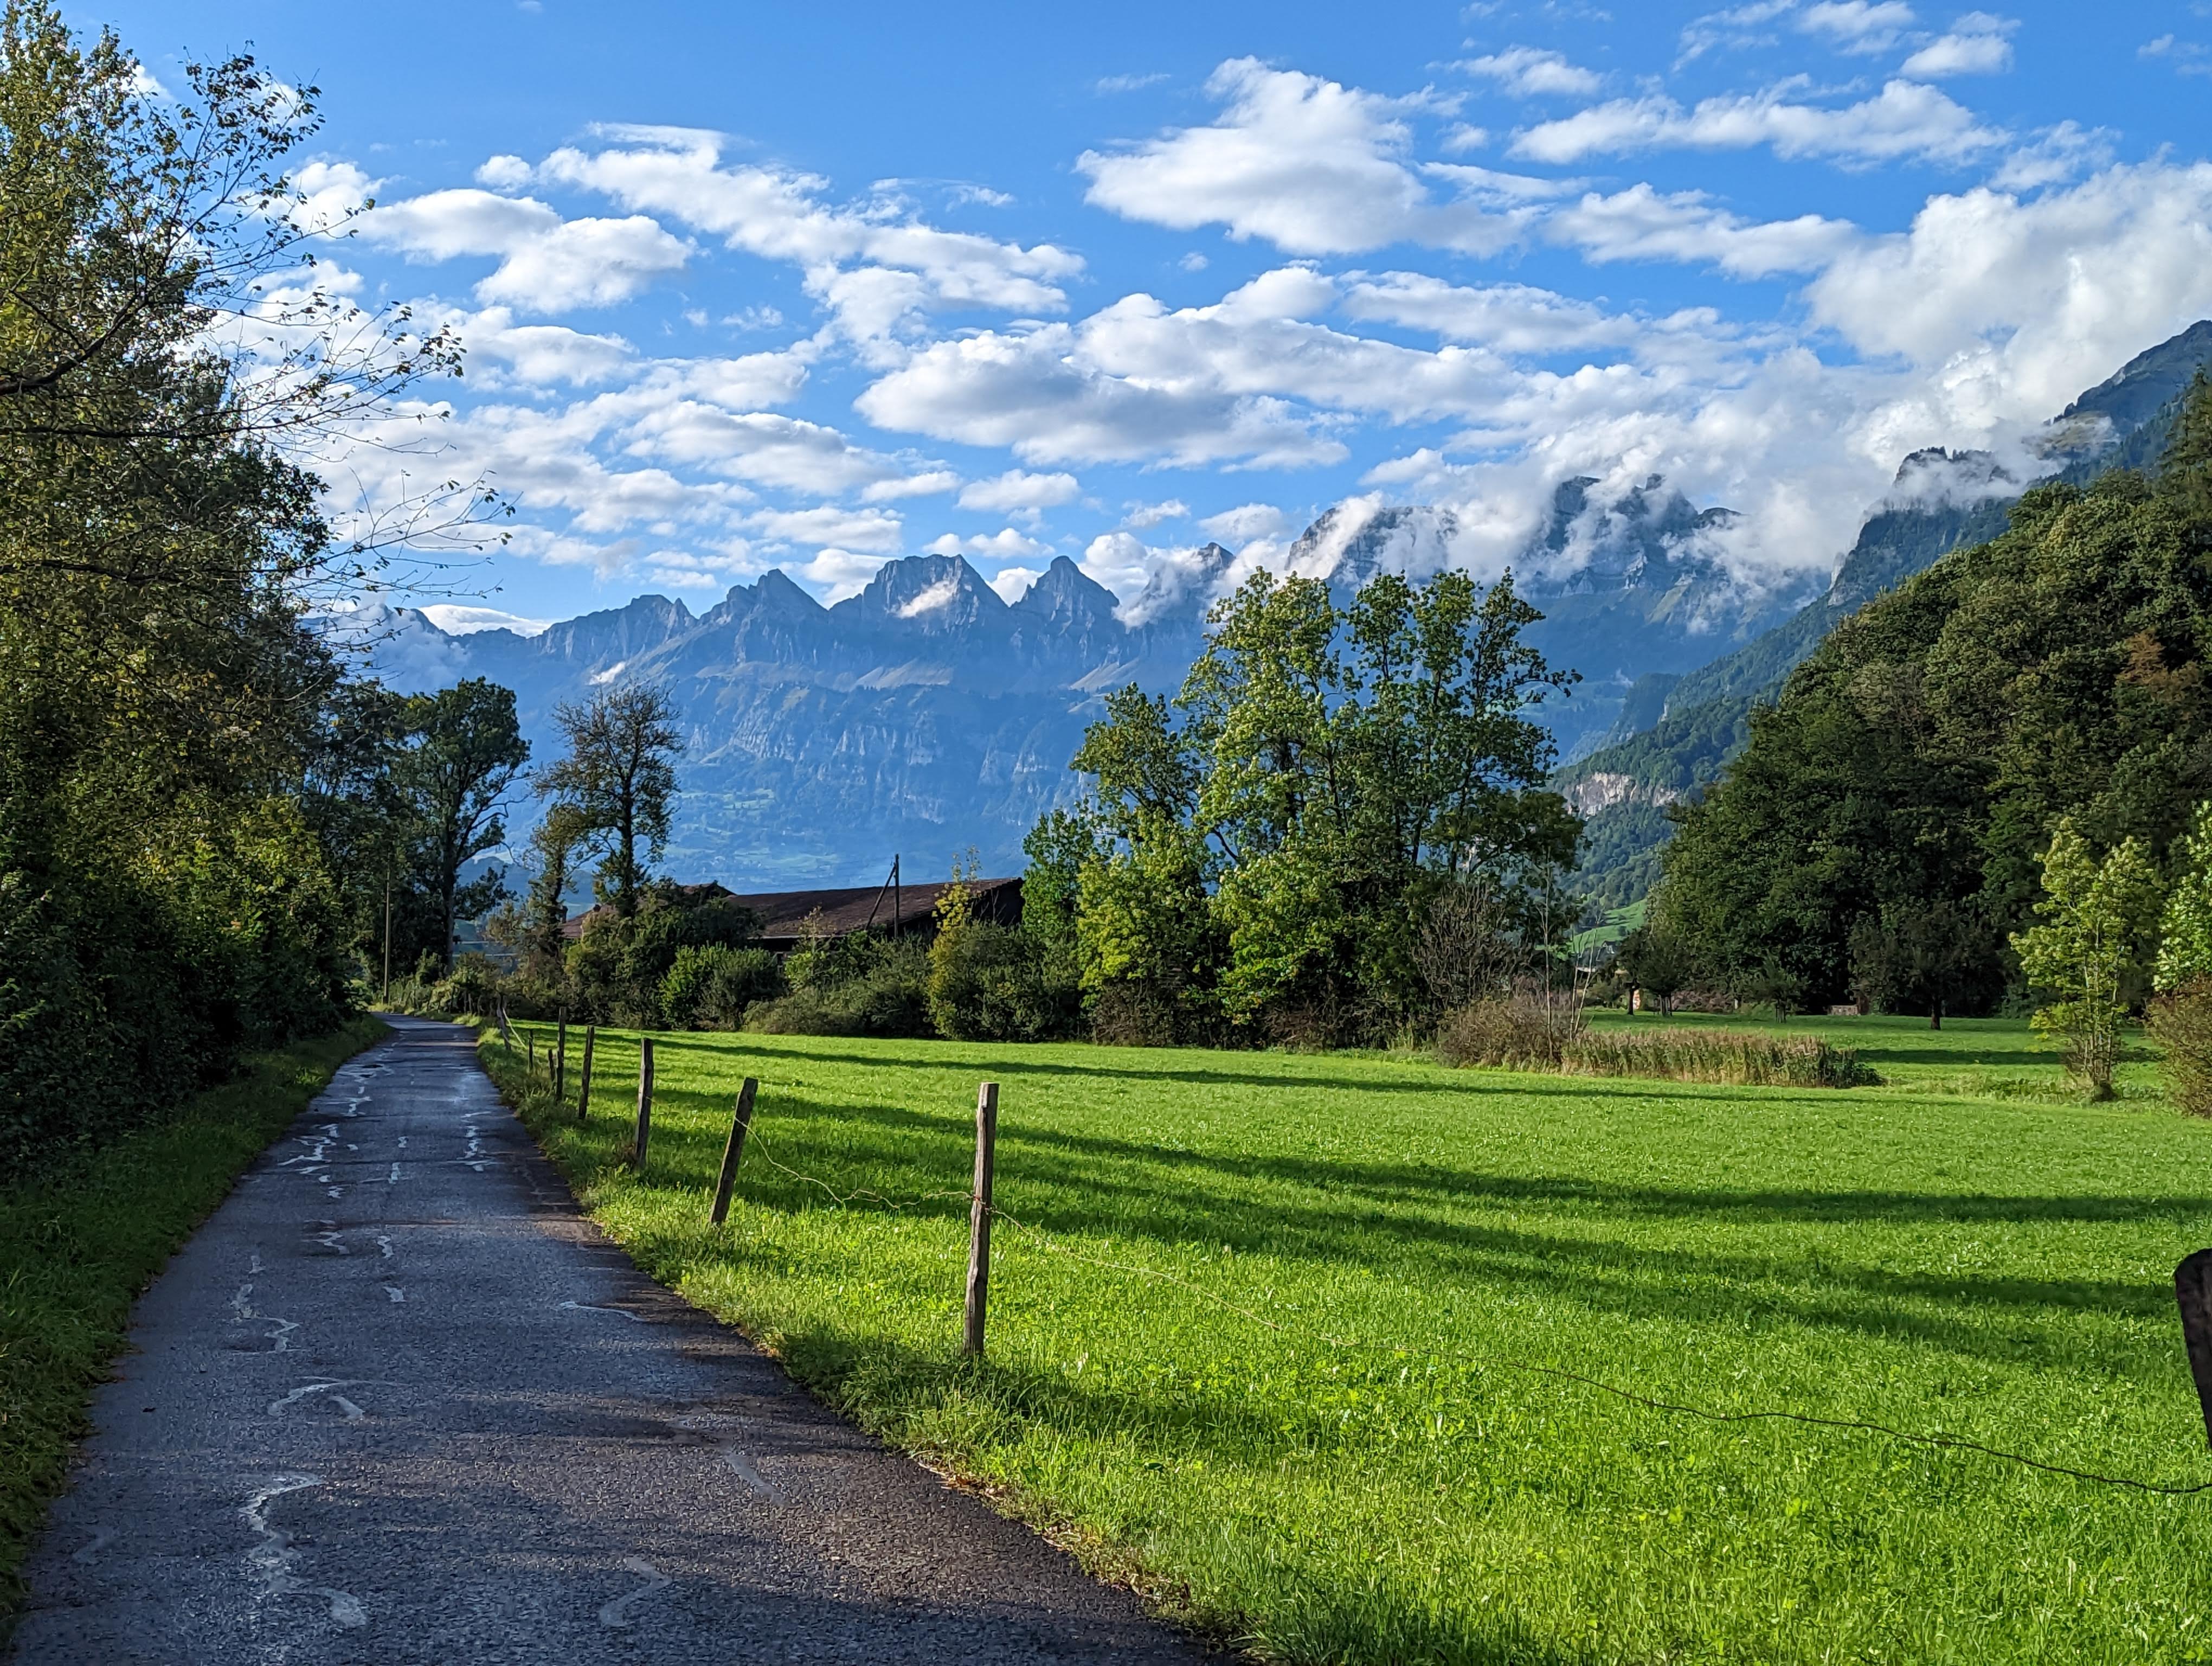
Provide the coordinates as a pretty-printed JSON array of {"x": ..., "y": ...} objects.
[
  {"x": 1262, "y": 1345},
  {"x": 77, "y": 1247}
]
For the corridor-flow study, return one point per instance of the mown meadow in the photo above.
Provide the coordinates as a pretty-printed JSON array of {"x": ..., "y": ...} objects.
[{"x": 1262, "y": 1341}]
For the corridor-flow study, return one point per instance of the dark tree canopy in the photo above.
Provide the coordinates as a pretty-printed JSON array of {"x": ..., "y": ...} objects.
[{"x": 1915, "y": 765}]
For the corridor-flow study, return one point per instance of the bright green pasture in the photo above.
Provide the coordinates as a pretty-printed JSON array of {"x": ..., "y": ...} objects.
[{"x": 1370, "y": 1474}]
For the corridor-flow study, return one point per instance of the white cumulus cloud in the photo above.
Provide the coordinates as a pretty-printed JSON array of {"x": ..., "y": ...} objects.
[
  {"x": 1977, "y": 45},
  {"x": 1905, "y": 119},
  {"x": 1529, "y": 72},
  {"x": 546, "y": 263},
  {"x": 1312, "y": 166},
  {"x": 1016, "y": 492}
]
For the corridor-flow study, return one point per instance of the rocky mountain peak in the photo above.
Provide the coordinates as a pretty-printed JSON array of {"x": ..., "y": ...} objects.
[
  {"x": 1064, "y": 593},
  {"x": 615, "y": 634},
  {"x": 1179, "y": 589},
  {"x": 931, "y": 595}
]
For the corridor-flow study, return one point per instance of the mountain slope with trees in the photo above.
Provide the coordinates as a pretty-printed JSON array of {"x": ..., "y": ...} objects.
[
  {"x": 1915, "y": 767},
  {"x": 1677, "y": 734}
]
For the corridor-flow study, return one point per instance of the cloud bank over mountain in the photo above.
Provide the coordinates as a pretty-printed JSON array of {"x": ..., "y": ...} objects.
[{"x": 1763, "y": 268}]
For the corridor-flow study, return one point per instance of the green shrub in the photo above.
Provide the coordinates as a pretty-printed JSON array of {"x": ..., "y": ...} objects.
[
  {"x": 127, "y": 984},
  {"x": 711, "y": 987},
  {"x": 2181, "y": 1023},
  {"x": 987, "y": 982},
  {"x": 857, "y": 985},
  {"x": 1528, "y": 1029}
]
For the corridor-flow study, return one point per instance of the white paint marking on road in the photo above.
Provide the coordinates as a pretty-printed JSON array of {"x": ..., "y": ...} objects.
[
  {"x": 273, "y": 1557},
  {"x": 353, "y": 1413},
  {"x": 741, "y": 1465},
  {"x": 329, "y": 1236},
  {"x": 403, "y": 1142},
  {"x": 617, "y": 1613},
  {"x": 100, "y": 1537},
  {"x": 392, "y": 1179},
  {"x": 384, "y": 1243},
  {"x": 335, "y": 1191},
  {"x": 280, "y": 1338},
  {"x": 395, "y": 1293},
  {"x": 254, "y": 1266},
  {"x": 586, "y": 1307},
  {"x": 325, "y": 1385}
]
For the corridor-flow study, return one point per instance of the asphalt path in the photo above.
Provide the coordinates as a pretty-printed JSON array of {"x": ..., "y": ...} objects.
[{"x": 398, "y": 1401}]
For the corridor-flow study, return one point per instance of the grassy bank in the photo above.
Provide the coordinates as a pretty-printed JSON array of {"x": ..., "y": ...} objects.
[
  {"x": 77, "y": 1247},
  {"x": 1269, "y": 1353}
]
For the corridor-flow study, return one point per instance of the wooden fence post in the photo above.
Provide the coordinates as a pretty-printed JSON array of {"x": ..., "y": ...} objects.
[
  {"x": 731, "y": 1152},
  {"x": 561, "y": 1060},
  {"x": 644, "y": 1099},
  {"x": 584, "y": 1076},
  {"x": 529, "y": 1066},
  {"x": 979, "y": 1216}
]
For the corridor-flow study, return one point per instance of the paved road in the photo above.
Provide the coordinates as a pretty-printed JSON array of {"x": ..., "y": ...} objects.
[{"x": 398, "y": 1402}]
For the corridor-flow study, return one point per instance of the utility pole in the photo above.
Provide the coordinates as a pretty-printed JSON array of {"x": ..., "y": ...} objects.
[
  {"x": 388, "y": 937},
  {"x": 897, "y": 910}
]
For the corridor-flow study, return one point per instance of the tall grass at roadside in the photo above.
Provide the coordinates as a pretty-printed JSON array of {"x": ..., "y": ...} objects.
[
  {"x": 1527, "y": 1031},
  {"x": 78, "y": 1245}
]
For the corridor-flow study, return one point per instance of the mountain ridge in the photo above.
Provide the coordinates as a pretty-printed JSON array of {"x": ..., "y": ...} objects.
[{"x": 927, "y": 715}]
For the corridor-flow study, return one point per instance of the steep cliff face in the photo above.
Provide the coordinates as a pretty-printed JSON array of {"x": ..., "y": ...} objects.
[{"x": 927, "y": 715}]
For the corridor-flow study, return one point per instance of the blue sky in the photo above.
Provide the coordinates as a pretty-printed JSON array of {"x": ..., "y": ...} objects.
[{"x": 749, "y": 287}]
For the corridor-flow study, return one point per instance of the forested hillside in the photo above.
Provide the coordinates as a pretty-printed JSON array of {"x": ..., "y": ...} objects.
[
  {"x": 1677, "y": 733},
  {"x": 1914, "y": 768}
]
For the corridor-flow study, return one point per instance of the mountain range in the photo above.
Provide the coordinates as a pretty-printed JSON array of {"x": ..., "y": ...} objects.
[{"x": 929, "y": 717}]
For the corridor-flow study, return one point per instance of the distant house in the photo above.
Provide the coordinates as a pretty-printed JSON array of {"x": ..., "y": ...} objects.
[{"x": 788, "y": 917}]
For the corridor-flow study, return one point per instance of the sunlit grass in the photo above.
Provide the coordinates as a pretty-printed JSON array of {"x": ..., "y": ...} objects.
[{"x": 1916, "y": 1255}]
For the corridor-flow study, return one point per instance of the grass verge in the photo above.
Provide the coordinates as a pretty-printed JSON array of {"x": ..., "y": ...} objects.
[
  {"x": 78, "y": 1246},
  {"x": 1272, "y": 1340}
]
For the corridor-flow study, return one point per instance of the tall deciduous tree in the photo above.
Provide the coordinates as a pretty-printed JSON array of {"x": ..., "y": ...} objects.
[
  {"x": 1270, "y": 842},
  {"x": 619, "y": 777},
  {"x": 173, "y": 801},
  {"x": 554, "y": 848},
  {"x": 464, "y": 754},
  {"x": 2096, "y": 920}
]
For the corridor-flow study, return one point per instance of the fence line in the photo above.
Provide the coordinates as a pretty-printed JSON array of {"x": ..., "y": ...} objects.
[{"x": 1050, "y": 1244}]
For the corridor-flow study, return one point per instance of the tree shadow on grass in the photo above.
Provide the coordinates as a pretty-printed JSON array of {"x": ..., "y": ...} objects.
[
  {"x": 1393, "y": 1222},
  {"x": 1400, "y": 1184}
]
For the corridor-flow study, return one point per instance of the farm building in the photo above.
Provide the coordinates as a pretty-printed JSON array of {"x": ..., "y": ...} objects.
[{"x": 788, "y": 918}]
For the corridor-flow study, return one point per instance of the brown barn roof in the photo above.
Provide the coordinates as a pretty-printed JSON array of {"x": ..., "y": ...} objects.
[{"x": 784, "y": 914}]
